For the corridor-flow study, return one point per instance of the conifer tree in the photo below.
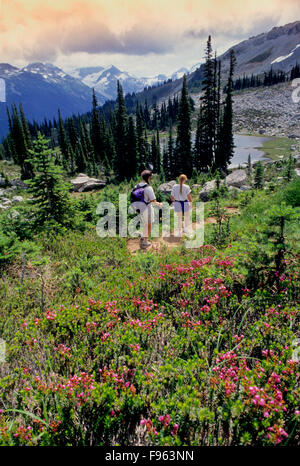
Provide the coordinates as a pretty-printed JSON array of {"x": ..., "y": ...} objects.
[
  {"x": 96, "y": 131},
  {"x": 259, "y": 176},
  {"x": 121, "y": 135},
  {"x": 50, "y": 192},
  {"x": 208, "y": 122},
  {"x": 130, "y": 168},
  {"x": 183, "y": 156},
  {"x": 63, "y": 142},
  {"x": 171, "y": 151},
  {"x": 166, "y": 163},
  {"x": 72, "y": 132},
  {"x": 158, "y": 153},
  {"x": 225, "y": 150},
  {"x": 290, "y": 169},
  {"x": 19, "y": 145},
  {"x": 26, "y": 131},
  {"x": 249, "y": 168},
  {"x": 141, "y": 142}
]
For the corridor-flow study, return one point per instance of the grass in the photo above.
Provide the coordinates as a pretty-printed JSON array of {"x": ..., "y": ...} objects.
[{"x": 277, "y": 148}]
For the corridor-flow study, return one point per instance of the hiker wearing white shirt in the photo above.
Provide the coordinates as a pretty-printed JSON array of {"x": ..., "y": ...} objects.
[
  {"x": 181, "y": 196},
  {"x": 144, "y": 197}
]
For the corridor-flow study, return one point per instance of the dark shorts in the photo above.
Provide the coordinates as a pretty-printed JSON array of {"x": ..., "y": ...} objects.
[{"x": 181, "y": 206}]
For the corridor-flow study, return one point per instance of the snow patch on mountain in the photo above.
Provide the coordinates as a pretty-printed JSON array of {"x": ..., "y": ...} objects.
[{"x": 280, "y": 59}]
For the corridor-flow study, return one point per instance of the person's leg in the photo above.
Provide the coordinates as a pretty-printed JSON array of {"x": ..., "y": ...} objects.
[
  {"x": 187, "y": 222},
  {"x": 146, "y": 231},
  {"x": 179, "y": 223}
]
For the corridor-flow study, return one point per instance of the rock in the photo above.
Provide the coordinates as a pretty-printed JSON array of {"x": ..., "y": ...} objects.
[
  {"x": 293, "y": 136},
  {"x": 196, "y": 186},
  {"x": 293, "y": 148},
  {"x": 262, "y": 131},
  {"x": 16, "y": 199},
  {"x": 237, "y": 178},
  {"x": 245, "y": 188},
  {"x": 6, "y": 202},
  {"x": 15, "y": 214},
  {"x": 207, "y": 188},
  {"x": 5, "y": 205},
  {"x": 297, "y": 170},
  {"x": 2, "y": 181},
  {"x": 84, "y": 183},
  {"x": 166, "y": 188},
  {"x": 18, "y": 184}
]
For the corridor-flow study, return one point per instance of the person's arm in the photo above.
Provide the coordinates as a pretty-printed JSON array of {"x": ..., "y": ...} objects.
[
  {"x": 153, "y": 198},
  {"x": 155, "y": 202},
  {"x": 189, "y": 198},
  {"x": 173, "y": 195}
]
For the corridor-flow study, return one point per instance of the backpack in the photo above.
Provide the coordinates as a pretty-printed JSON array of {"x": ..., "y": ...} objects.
[{"x": 137, "y": 194}]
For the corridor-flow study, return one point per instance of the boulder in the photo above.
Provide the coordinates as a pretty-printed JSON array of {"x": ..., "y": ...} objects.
[
  {"x": 18, "y": 184},
  {"x": 16, "y": 199},
  {"x": 196, "y": 186},
  {"x": 6, "y": 202},
  {"x": 237, "y": 178},
  {"x": 166, "y": 188},
  {"x": 297, "y": 170},
  {"x": 84, "y": 183},
  {"x": 293, "y": 136},
  {"x": 207, "y": 188},
  {"x": 2, "y": 181}
]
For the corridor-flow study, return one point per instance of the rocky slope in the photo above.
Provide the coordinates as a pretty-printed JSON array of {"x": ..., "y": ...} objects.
[{"x": 279, "y": 48}]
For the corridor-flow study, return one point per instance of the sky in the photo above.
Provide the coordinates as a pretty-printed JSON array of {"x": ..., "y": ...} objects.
[{"x": 144, "y": 37}]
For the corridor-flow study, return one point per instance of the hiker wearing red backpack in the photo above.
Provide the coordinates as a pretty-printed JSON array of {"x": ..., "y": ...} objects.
[{"x": 143, "y": 198}]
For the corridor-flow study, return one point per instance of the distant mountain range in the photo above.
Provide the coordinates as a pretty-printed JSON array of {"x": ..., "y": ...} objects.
[
  {"x": 104, "y": 80},
  {"x": 43, "y": 88}
]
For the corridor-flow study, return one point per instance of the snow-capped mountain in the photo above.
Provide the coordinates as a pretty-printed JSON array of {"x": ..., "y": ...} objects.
[
  {"x": 179, "y": 73},
  {"x": 104, "y": 80},
  {"x": 42, "y": 88}
]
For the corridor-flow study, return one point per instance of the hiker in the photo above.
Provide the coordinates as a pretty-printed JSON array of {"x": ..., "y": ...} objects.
[
  {"x": 181, "y": 196},
  {"x": 144, "y": 198}
]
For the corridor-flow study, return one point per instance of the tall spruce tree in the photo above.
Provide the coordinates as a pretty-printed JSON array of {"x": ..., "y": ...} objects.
[
  {"x": 183, "y": 156},
  {"x": 25, "y": 127},
  {"x": 121, "y": 158},
  {"x": 140, "y": 130},
  {"x": 19, "y": 144},
  {"x": 208, "y": 117},
  {"x": 171, "y": 163},
  {"x": 50, "y": 192},
  {"x": 96, "y": 131},
  {"x": 130, "y": 168},
  {"x": 158, "y": 153},
  {"x": 225, "y": 150},
  {"x": 63, "y": 143},
  {"x": 259, "y": 176}
]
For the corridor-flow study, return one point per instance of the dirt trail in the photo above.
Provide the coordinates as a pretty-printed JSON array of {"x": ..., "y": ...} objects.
[{"x": 133, "y": 245}]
